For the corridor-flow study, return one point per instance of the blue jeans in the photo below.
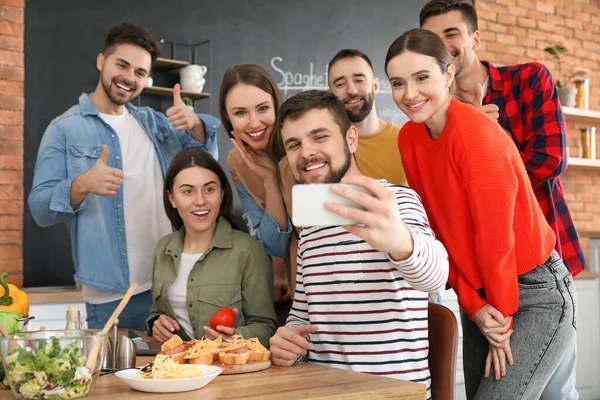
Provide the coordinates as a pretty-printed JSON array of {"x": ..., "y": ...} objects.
[
  {"x": 562, "y": 383},
  {"x": 544, "y": 331},
  {"x": 134, "y": 314}
]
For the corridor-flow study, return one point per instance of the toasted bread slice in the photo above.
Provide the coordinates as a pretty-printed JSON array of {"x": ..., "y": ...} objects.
[
  {"x": 204, "y": 359},
  {"x": 203, "y": 351},
  {"x": 234, "y": 358},
  {"x": 177, "y": 354},
  {"x": 179, "y": 358},
  {"x": 259, "y": 355}
]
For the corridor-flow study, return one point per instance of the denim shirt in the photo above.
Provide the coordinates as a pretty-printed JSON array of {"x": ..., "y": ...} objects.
[
  {"x": 263, "y": 226},
  {"x": 71, "y": 146}
]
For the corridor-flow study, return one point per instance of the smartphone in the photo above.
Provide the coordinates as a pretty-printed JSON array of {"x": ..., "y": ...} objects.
[{"x": 308, "y": 205}]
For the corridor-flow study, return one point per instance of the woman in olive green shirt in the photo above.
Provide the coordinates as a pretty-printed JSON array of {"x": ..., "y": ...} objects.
[{"x": 207, "y": 263}]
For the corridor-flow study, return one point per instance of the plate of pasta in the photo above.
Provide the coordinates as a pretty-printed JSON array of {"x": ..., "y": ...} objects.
[{"x": 164, "y": 375}]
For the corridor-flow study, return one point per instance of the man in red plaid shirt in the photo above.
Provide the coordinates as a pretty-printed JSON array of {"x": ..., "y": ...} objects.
[{"x": 524, "y": 100}]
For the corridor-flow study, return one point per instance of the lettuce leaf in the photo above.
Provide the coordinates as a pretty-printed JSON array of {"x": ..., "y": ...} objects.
[{"x": 9, "y": 321}]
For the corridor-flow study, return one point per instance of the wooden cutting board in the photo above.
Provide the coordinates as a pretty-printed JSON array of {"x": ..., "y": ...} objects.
[{"x": 251, "y": 366}]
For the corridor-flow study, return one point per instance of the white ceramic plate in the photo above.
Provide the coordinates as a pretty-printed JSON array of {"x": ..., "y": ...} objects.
[{"x": 131, "y": 377}]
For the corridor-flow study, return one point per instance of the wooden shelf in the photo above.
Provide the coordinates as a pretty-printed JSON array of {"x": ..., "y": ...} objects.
[
  {"x": 583, "y": 162},
  {"x": 169, "y": 63},
  {"x": 163, "y": 91},
  {"x": 582, "y": 114}
]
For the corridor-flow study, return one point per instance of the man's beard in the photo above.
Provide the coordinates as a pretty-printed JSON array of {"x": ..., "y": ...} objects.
[
  {"x": 364, "y": 111},
  {"x": 106, "y": 85},
  {"x": 335, "y": 175},
  {"x": 458, "y": 62}
]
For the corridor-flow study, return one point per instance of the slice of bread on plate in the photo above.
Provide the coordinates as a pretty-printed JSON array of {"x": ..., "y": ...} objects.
[
  {"x": 203, "y": 351},
  {"x": 204, "y": 359},
  {"x": 234, "y": 358},
  {"x": 259, "y": 355},
  {"x": 258, "y": 352}
]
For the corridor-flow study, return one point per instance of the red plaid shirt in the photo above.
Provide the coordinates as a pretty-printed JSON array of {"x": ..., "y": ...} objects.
[{"x": 531, "y": 113}]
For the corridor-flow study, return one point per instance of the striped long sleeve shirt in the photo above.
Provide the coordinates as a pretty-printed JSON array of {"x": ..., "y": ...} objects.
[{"x": 371, "y": 312}]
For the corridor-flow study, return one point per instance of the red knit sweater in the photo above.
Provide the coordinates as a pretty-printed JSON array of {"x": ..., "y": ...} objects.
[{"x": 480, "y": 204}]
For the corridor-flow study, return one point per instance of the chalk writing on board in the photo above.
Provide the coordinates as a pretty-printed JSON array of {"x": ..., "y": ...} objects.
[
  {"x": 316, "y": 78},
  {"x": 295, "y": 81}
]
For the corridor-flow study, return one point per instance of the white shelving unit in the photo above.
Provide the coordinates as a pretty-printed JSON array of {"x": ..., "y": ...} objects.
[
  {"x": 587, "y": 116},
  {"x": 577, "y": 112},
  {"x": 583, "y": 162}
]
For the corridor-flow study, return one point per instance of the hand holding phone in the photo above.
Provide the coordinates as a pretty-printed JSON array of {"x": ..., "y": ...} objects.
[
  {"x": 378, "y": 222},
  {"x": 308, "y": 205}
]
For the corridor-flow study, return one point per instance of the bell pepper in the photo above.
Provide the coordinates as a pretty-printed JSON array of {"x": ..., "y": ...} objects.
[{"x": 12, "y": 298}]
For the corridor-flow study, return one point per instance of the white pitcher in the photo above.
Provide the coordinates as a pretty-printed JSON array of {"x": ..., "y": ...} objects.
[{"x": 191, "y": 77}]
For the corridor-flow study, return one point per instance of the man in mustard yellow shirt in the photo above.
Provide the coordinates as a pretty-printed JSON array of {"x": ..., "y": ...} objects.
[{"x": 352, "y": 80}]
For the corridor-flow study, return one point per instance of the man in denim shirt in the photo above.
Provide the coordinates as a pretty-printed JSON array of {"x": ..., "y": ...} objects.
[{"x": 100, "y": 170}]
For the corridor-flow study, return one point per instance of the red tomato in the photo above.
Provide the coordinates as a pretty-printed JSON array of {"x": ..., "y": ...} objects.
[{"x": 224, "y": 317}]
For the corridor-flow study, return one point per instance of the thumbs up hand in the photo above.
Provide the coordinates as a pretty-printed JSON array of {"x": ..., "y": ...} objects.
[
  {"x": 182, "y": 118},
  {"x": 102, "y": 179},
  {"x": 177, "y": 100},
  {"x": 491, "y": 110}
]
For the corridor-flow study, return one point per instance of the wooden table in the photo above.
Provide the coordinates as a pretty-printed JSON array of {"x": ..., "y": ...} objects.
[{"x": 302, "y": 381}]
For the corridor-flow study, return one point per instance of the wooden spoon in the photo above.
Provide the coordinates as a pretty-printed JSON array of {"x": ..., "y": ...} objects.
[
  {"x": 91, "y": 361},
  {"x": 3, "y": 332}
]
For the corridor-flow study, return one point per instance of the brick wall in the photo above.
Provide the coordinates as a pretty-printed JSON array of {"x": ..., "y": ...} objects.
[
  {"x": 515, "y": 31},
  {"x": 12, "y": 104}
]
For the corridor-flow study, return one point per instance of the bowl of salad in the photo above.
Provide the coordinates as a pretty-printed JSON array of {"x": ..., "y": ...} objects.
[{"x": 51, "y": 365}]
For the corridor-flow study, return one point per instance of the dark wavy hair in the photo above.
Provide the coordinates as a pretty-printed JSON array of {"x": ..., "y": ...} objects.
[
  {"x": 197, "y": 158},
  {"x": 259, "y": 77},
  {"x": 127, "y": 33}
]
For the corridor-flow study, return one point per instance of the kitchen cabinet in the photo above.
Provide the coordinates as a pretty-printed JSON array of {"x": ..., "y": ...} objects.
[
  {"x": 588, "y": 339},
  {"x": 49, "y": 306},
  {"x": 53, "y": 316}
]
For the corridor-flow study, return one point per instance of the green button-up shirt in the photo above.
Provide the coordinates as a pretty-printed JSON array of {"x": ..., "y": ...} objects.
[{"x": 235, "y": 272}]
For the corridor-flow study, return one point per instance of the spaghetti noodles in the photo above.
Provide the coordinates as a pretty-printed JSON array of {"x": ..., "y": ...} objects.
[{"x": 165, "y": 368}]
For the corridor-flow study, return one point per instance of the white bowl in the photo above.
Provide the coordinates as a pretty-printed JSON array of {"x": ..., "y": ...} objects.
[{"x": 132, "y": 378}]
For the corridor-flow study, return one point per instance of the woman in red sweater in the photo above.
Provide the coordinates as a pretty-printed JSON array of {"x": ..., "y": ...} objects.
[{"x": 517, "y": 298}]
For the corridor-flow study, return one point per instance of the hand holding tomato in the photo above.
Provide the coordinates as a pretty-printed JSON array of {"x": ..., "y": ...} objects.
[
  {"x": 221, "y": 324},
  {"x": 224, "y": 317}
]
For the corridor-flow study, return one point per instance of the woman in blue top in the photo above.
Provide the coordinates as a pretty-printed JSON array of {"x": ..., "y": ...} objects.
[{"x": 248, "y": 104}]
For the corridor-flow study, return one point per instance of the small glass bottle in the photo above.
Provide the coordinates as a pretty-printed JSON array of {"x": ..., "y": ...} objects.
[
  {"x": 588, "y": 143},
  {"x": 582, "y": 99},
  {"x": 73, "y": 318}
]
